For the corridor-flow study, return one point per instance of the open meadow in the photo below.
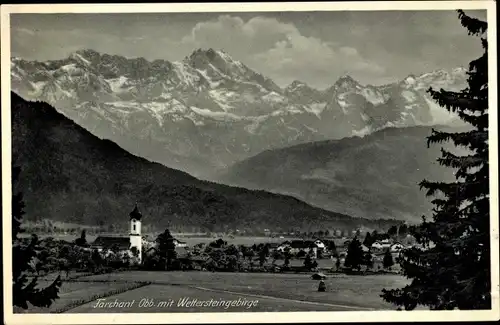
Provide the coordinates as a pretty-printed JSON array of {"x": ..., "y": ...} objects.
[
  {"x": 171, "y": 291},
  {"x": 74, "y": 293}
]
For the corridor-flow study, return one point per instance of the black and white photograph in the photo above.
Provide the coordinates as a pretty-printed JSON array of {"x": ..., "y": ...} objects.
[{"x": 229, "y": 160}]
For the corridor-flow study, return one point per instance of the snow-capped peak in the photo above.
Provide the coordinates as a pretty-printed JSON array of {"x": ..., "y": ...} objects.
[
  {"x": 296, "y": 85},
  {"x": 79, "y": 56},
  {"x": 453, "y": 80},
  {"x": 209, "y": 55},
  {"x": 346, "y": 81},
  {"x": 217, "y": 60},
  {"x": 410, "y": 80},
  {"x": 88, "y": 53}
]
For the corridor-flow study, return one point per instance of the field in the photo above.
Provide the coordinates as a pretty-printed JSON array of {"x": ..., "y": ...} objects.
[
  {"x": 75, "y": 293},
  {"x": 255, "y": 292}
]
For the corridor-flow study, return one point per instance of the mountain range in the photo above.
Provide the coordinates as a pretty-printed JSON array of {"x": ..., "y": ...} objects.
[
  {"x": 71, "y": 175},
  {"x": 209, "y": 111}
]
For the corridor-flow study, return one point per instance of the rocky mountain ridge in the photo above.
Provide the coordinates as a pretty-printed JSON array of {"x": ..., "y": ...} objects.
[{"x": 208, "y": 111}]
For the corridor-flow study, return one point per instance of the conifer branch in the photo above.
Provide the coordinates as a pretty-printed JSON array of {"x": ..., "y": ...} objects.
[{"x": 473, "y": 25}]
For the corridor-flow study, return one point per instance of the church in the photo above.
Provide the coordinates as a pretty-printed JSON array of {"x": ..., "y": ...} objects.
[{"x": 124, "y": 244}]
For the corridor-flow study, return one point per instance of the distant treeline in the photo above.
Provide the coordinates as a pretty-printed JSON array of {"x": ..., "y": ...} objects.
[{"x": 56, "y": 227}]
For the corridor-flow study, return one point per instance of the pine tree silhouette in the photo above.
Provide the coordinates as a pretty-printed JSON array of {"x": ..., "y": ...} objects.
[
  {"x": 355, "y": 254},
  {"x": 23, "y": 290},
  {"x": 388, "y": 261},
  {"x": 452, "y": 268},
  {"x": 166, "y": 249}
]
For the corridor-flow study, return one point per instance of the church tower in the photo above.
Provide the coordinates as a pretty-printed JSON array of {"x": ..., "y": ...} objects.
[{"x": 135, "y": 231}]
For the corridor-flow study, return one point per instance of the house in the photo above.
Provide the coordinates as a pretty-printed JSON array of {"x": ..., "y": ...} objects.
[
  {"x": 396, "y": 247},
  {"x": 179, "y": 243},
  {"x": 109, "y": 243},
  {"x": 328, "y": 243},
  {"x": 304, "y": 245},
  {"x": 365, "y": 248},
  {"x": 295, "y": 246},
  {"x": 283, "y": 246},
  {"x": 381, "y": 245},
  {"x": 181, "y": 252},
  {"x": 321, "y": 245},
  {"x": 377, "y": 245},
  {"x": 273, "y": 246}
]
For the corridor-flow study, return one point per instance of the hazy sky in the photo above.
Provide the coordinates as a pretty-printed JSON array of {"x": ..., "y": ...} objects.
[{"x": 315, "y": 47}]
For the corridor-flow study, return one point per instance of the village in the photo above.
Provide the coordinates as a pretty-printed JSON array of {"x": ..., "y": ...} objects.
[
  {"x": 291, "y": 253},
  {"x": 321, "y": 269}
]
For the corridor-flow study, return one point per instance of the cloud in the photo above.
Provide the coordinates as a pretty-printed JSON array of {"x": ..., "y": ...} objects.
[
  {"x": 23, "y": 31},
  {"x": 280, "y": 50},
  {"x": 234, "y": 35},
  {"x": 316, "y": 47}
]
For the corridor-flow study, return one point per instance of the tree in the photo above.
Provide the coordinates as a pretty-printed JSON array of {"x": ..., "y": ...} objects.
[
  {"x": 64, "y": 256},
  {"x": 332, "y": 248},
  {"x": 219, "y": 243},
  {"x": 288, "y": 255},
  {"x": 232, "y": 251},
  {"x": 355, "y": 255},
  {"x": 22, "y": 257},
  {"x": 309, "y": 263},
  {"x": 97, "y": 259},
  {"x": 452, "y": 268},
  {"x": 41, "y": 262},
  {"x": 337, "y": 264},
  {"x": 166, "y": 249},
  {"x": 368, "y": 240},
  {"x": 388, "y": 261},
  {"x": 403, "y": 230},
  {"x": 276, "y": 256},
  {"x": 393, "y": 230},
  {"x": 263, "y": 254},
  {"x": 250, "y": 253},
  {"x": 301, "y": 253},
  {"x": 82, "y": 241},
  {"x": 368, "y": 260},
  {"x": 232, "y": 263},
  {"x": 115, "y": 248}
]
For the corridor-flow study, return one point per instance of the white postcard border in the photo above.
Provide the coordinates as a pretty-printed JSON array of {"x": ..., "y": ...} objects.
[{"x": 249, "y": 317}]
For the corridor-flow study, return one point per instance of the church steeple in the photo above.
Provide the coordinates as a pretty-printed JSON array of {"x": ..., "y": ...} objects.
[
  {"x": 135, "y": 214},
  {"x": 135, "y": 230}
]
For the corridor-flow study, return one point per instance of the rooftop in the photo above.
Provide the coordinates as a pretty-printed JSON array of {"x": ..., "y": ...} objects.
[{"x": 108, "y": 242}]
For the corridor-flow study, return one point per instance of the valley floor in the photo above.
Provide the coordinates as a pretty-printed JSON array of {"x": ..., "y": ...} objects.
[{"x": 256, "y": 292}]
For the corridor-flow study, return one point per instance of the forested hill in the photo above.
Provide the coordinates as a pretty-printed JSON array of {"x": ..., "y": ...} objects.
[
  {"x": 70, "y": 175},
  {"x": 375, "y": 176}
]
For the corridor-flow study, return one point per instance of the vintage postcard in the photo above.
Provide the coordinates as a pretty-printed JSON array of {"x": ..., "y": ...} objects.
[{"x": 249, "y": 163}]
